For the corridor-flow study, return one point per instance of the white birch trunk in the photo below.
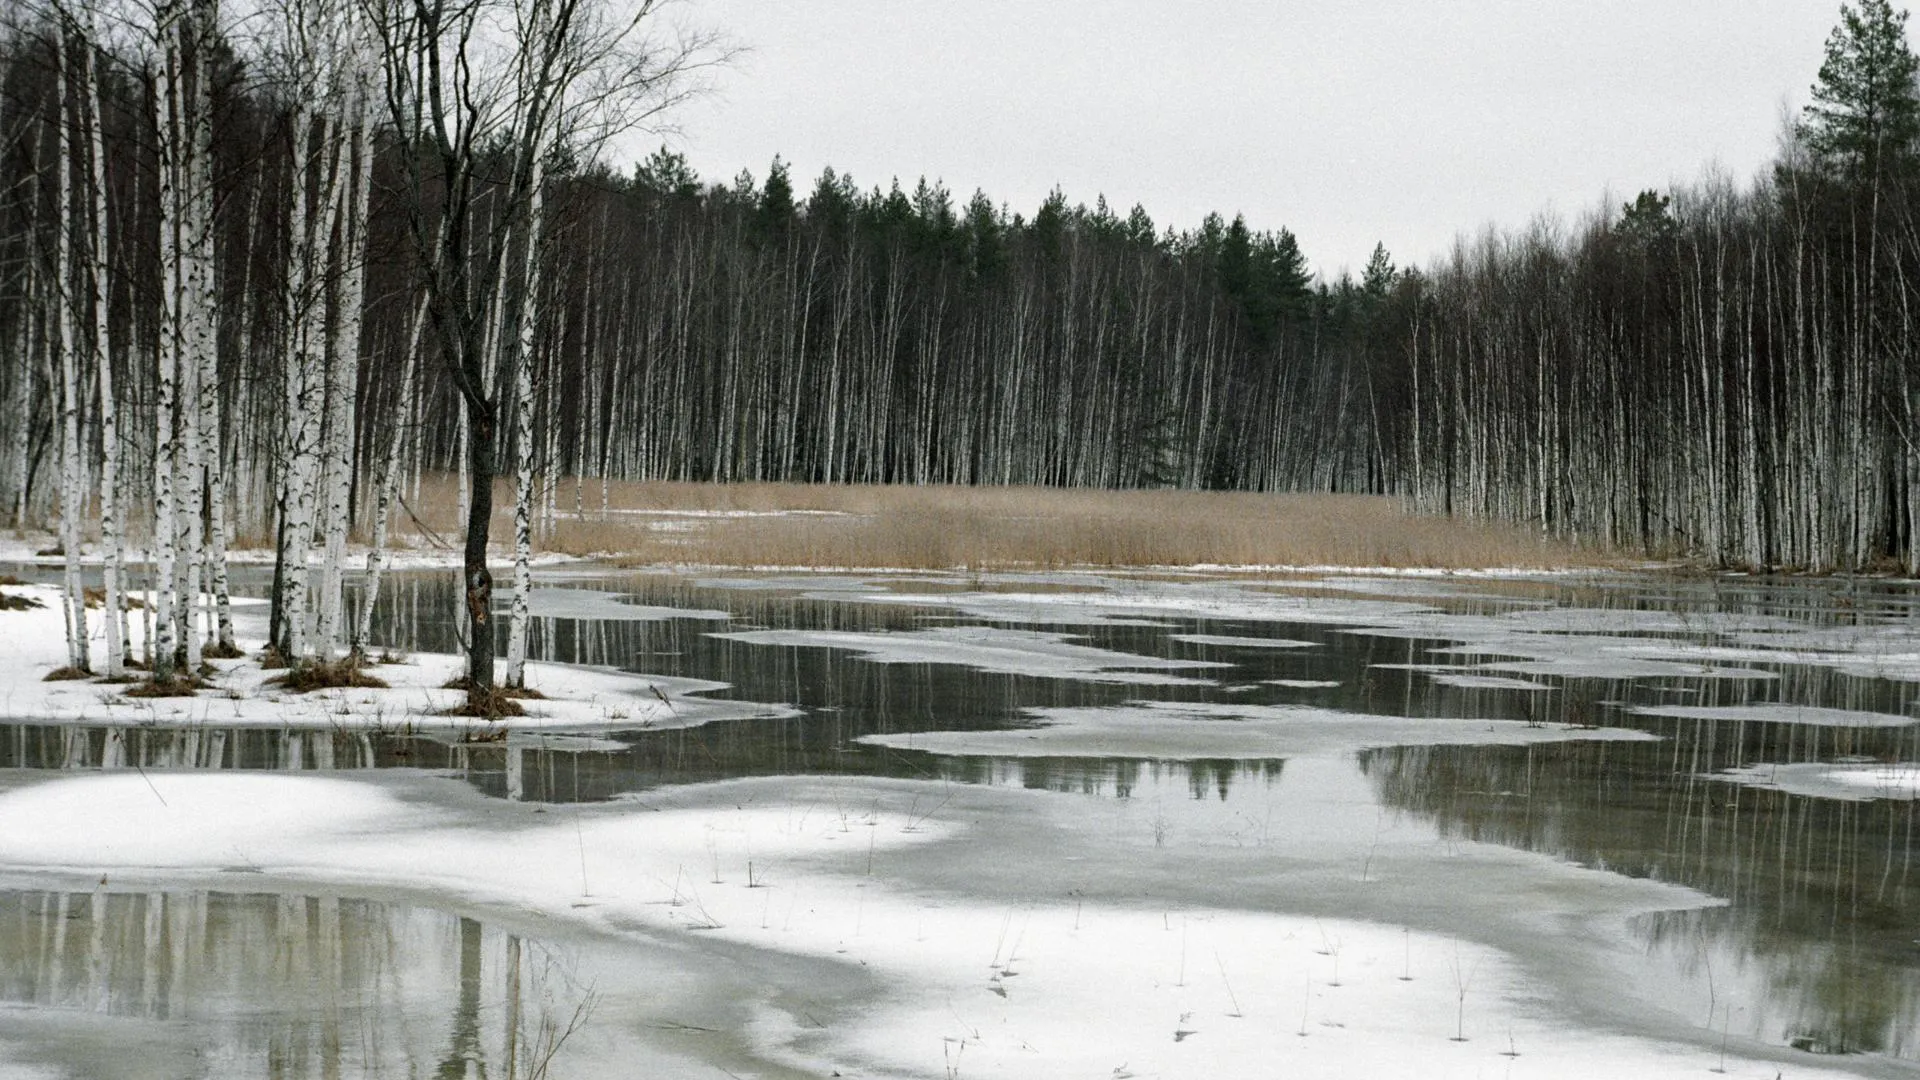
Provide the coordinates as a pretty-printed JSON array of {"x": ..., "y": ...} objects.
[
  {"x": 73, "y": 485},
  {"x": 305, "y": 377},
  {"x": 166, "y": 92},
  {"x": 343, "y": 380},
  {"x": 386, "y": 483},
  {"x": 196, "y": 343},
  {"x": 111, "y": 540},
  {"x": 210, "y": 476},
  {"x": 516, "y": 677}
]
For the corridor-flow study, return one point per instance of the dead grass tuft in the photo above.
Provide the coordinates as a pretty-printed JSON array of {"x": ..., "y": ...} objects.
[
  {"x": 310, "y": 675},
  {"x": 178, "y": 686},
  {"x": 66, "y": 674},
  {"x": 11, "y": 579},
  {"x": 271, "y": 659},
  {"x": 18, "y": 603},
  {"x": 96, "y": 598},
  {"x": 494, "y": 703},
  {"x": 214, "y": 650}
]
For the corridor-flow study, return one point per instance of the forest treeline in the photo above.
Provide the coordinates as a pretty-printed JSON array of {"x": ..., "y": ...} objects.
[{"x": 261, "y": 270}]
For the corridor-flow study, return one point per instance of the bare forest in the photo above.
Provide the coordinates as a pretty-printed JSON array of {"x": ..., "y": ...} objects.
[{"x": 266, "y": 271}]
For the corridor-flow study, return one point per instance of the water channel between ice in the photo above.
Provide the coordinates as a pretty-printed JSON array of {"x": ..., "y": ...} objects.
[{"x": 1322, "y": 748}]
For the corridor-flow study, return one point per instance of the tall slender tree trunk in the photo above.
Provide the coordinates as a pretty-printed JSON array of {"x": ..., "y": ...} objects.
[
  {"x": 529, "y": 316},
  {"x": 166, "y": 107},
  {"x": 73, "y": 471},
  {"x": 111, "y": 540}
]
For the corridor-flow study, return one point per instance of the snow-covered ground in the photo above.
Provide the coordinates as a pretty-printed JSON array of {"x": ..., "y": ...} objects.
[{"x": 415, "y": 699}]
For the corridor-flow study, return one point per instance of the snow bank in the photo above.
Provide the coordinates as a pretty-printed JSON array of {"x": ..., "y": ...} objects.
[{"x": 415, "y": 699}]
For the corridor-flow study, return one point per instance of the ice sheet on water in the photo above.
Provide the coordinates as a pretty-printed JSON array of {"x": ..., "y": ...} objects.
[
  {"x": 1769, "y": 712},
  {"x": 987, "y": 648},
  {"x": 552, "y": 603},
  {"x": 1186, "y": 731},
  {"x": 1234, "y": 642},
  {"x": 1857, "y": 782}
]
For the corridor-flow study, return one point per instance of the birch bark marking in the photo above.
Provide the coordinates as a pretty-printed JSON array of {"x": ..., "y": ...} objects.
[
  {"x": 387, "y": 479},
  {"x": 111, "y": 539},
  {"x": 212, "y": 555},
  {"x": 529, "y": 315},
  {"x": 166, "y": 81},
  {"x": 343, "y": 380},
  {"x": 73, "y": 487}
]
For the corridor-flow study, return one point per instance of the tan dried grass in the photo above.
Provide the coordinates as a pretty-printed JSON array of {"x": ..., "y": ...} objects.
[{"x": 941, "y": 527}]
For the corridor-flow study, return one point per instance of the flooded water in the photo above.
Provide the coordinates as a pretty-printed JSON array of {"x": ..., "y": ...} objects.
[{"x": 1816, "y": 948}]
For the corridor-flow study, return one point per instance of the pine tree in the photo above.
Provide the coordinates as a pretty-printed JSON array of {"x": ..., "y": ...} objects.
[{"x": 1865, "y": 112}]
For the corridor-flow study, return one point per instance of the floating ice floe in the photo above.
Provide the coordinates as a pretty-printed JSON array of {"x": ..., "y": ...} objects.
[
  {"x": 1184, "y": 731},
  {"x": 986, "y": 648},
  {"x": 550, "y": 603},
  {"x": 1769, "y": 712},
  {"x": 1852, "y": 782},
  {"x": 1487, "y": 682},
  {"x": 1231, "y": 641}
]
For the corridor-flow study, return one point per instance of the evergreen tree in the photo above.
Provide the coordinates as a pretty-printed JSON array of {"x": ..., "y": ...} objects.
[
  {"x": 1647, "y": 219},
  {"x": 1380, "y": 275},
  {"x": 1865, "y": 113},
  {"x": 774, "y": 216},
  {"x": 667, "y": 173}
]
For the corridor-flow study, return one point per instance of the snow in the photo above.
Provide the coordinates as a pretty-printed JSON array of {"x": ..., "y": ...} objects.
[
  {"x": 1856, "y": 782},
  {"x": 1232, "y": 642},
  {"x": 1486, "y": 682},
  {"x": 578, "y": 697},
  {"x": 25, "y": 550},
  {"x": 552, "y": 603},
  {"x": 1197, "y": 731},
  {"x": 984, "y": 648},
  {"x": 1103, "y": 599},
  {"x": 1768, "y": 712},
  {"x": 844, "y": 875}
]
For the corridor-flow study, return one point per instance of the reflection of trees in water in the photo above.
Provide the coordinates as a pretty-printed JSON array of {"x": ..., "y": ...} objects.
[
  {"x": 1828, "y": 994},
  {"x": 1824, "y": 893},
  {"x": 289, "y": 986},
  {"x": 1116, "y": 777}
]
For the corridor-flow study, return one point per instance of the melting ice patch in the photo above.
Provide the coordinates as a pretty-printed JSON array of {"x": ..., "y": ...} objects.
[
  {"x": 1181, "y": 731},
  {"x": 606, "y": 606},
  {"x": 1487, "y": 682},
  {"x": 1230, "y": 641},
  {"x": 994, "y": 649},
  {"x": 1122, "y": 602},
  {"x": 1768, "y": 712},
  {"x": 1859, "y": 782}
]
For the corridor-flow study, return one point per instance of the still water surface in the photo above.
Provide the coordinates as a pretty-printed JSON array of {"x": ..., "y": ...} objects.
[{"x": 1817, "y": 948}]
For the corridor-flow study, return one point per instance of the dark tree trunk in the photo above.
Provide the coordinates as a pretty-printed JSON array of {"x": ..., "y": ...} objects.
[{"x": 481, "y": 430}]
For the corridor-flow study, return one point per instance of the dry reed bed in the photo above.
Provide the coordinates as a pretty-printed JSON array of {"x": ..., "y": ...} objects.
[{"x": 939, "y": 527}]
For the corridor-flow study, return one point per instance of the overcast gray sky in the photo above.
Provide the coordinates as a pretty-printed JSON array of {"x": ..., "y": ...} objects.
[{"x": 1402, "y": 121}]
